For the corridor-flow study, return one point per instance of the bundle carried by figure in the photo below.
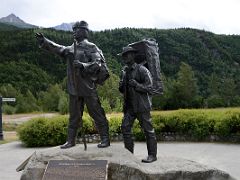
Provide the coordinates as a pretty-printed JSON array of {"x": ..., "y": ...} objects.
[{"x": 147, "y": 55}]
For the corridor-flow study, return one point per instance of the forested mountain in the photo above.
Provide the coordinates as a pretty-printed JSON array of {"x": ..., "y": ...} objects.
[
  {"x": 196, "y": 61},
  {"x": 13, "y": 20},
  {"x": 7, "y": 27}
]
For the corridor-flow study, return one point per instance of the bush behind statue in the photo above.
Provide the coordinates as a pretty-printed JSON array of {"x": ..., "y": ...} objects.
[
  {"x": 49, "y": 131},
  {"x": 43, "y": 131},
  {"x": 195, "y": 123}
]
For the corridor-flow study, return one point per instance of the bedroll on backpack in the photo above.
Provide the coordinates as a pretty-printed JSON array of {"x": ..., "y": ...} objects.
[{"x": 147, "y": 55}]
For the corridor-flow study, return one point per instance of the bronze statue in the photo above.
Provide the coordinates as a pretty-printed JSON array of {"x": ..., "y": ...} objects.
[
  {"x": 86, "y": 68},
  {"x": 136, "y": 85}
]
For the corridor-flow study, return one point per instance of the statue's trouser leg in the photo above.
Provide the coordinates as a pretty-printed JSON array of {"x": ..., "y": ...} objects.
[
  {"x": 76, "y": 106},
  {"x": 146, "y": 124},
  {"x": 126, "y": 127},
  {"x": 96, "y": 111}
]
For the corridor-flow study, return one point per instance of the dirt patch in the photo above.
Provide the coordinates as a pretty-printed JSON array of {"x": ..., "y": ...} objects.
[
  {"x": 20, "y": 118},
  {"x": 9, "y": 136}
]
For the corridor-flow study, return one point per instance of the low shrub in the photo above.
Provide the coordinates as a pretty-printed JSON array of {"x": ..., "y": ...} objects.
[
  {"x": 43, "y": 131},
  {"x": 49, "y": 131},
  {"x": 7, "y": 109},
  {"x": 228, "y": 124},
  {"x": 194, "y": 123},
  {"x": 115, "y": 125},
  {"x": 88, "y": 125},
  {"x": 199, "y": 123},
  {"x": 138, "y": 131}
]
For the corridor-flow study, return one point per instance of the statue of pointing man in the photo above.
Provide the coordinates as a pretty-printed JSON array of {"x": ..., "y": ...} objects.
[{"x": 86, "y": 68}]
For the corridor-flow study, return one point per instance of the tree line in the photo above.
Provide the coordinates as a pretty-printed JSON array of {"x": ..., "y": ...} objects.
[{"x": 199, "y": 69}]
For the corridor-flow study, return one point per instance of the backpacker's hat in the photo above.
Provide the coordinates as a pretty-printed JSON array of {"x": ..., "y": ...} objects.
[
  {"x": 127, "y": 49},
  {"x": 81, "y": 24}
]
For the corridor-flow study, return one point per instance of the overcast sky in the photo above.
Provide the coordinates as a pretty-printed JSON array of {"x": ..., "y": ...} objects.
[{"x": 218, "y": 16}]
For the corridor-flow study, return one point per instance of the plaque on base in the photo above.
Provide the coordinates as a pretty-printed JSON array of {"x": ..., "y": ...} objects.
[{"x": 76, "y": 170}]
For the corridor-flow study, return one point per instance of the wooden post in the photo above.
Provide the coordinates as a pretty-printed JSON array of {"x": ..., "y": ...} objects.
[
  {"x": 1, "y": 131},
  {"x": 1, "y": 122}
]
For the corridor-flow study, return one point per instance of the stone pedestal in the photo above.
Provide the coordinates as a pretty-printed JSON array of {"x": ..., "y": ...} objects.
[{"x": 124, "y": 165}]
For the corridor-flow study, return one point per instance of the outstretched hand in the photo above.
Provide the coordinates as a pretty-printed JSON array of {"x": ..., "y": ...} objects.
[{"x": 39, "y": 37}]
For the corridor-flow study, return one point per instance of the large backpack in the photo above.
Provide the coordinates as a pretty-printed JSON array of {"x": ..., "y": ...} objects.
[{"x": 147, "y": 55}]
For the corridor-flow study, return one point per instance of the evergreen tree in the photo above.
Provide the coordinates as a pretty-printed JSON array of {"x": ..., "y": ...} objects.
[
  {"x": 213, "y": 85},
  {"x": 185, "y": 87},
  {"x": 227, "y": 89},
  {"x": 49, "y": 100},
  {"x": 109, "y": 91}
]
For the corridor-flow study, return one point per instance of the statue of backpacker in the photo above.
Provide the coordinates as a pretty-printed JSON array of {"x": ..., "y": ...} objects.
[
  {"x": 147, "y": 55},
  {"x": 140, "y": 79}
]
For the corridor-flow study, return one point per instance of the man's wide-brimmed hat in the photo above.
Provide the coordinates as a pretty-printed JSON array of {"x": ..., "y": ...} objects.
[
  {"x": 126, "y": 50},
  {"x": 81, "y": 24}
]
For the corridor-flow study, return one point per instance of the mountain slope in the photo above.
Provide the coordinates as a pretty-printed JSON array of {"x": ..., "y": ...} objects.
[
  {"x": 7, "y": 27},
  {"x": 64, "y": 27},
  {"x": 12, "y": 19}
]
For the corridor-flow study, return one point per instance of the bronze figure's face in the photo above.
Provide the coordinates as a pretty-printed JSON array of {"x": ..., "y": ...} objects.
[
  {"x": 128, "y": 57},
  {"x": 80, "y": 30},
  {"x": 80, "y": 33}
]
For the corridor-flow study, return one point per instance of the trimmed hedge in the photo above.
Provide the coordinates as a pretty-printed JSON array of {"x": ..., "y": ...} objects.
[
  {"x": 199, "y": 123},
  {"x": 195, "y": 123},
  {"x": 49, "y": 131},
  {"x": 43, "y": 131}
]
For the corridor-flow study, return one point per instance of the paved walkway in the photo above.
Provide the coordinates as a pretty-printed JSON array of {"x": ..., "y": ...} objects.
[{"x": 225, "y": 157}]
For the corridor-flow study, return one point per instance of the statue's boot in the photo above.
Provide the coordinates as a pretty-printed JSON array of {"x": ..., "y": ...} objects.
[
  {"x": 70, "y": 140},
  {"x": 149, "y": 159},
  {"x": 152, "y": 150},
  {"x": 105, "y": 140}
]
